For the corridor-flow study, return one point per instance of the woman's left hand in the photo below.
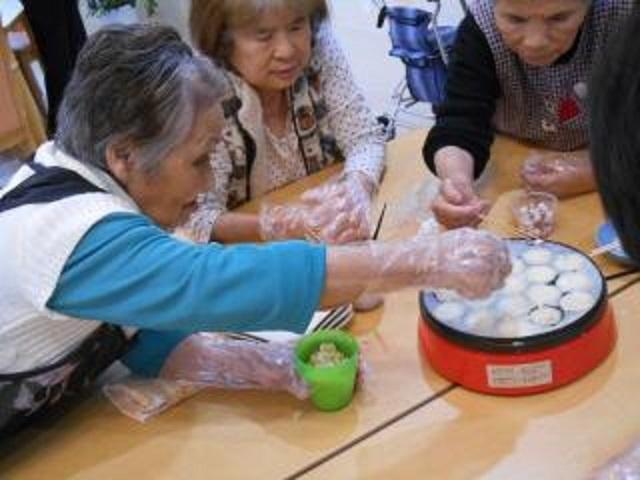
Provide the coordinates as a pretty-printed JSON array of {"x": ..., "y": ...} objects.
[
  {"x": 563, "y": 174},
  {"x": 339, "y": 210}
]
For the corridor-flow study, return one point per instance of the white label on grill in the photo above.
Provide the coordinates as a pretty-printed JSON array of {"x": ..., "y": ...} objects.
[{"x": 522, "y": 375}]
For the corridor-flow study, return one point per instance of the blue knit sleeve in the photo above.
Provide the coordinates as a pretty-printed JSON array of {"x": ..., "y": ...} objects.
[{"x": 129, "y": 272}]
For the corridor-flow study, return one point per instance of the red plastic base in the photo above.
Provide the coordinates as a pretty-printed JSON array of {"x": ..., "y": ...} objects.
[{"x": 520, "y": 373}]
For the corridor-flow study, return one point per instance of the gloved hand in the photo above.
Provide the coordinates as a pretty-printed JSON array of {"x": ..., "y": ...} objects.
[
  {"x": 472, "y": 262},
  {"x": 563, "y": 174},
  {"x": 336, "y": 212},
  {"x": 216, "y": 361},
  {"x": 206, "y": 360},
  {"x": 458, "y": 205},
  {"x": 340, "y": 210},
  {"x": 281, "y": 222}
]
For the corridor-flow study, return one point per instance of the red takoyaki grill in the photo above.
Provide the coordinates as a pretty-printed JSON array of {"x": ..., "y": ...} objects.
[{"x": 550, "y": 325}]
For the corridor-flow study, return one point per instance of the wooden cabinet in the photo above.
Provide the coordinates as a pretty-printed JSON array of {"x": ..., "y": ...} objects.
[{"x": 21, "y": 125}]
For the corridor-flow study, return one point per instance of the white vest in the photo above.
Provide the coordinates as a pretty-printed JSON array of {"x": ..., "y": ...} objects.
[{"x": 35, "y": 243}]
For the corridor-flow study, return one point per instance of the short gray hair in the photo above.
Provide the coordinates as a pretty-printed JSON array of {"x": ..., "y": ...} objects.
[{"x": 138, "y": 83}]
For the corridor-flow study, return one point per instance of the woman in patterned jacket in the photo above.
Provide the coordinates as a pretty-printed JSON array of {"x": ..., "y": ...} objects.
[
  {"x": 521, "y": 69},
  {"x": 294, "y": 110}
]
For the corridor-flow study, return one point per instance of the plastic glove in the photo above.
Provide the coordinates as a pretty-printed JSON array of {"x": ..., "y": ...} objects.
[
  {"x": 472, "y": 262},
  {"x": 623, "y": 467},
  {"x": 341, "y": 208},
  {"x": 281, "y": 222},
  {"x": 458, "y": 205},
  {"x": 297, "y": 220},
  {"x": 334, "y": 213},
  {"x": 563, "y": 174},
  {"x": 216, "y": 361}
]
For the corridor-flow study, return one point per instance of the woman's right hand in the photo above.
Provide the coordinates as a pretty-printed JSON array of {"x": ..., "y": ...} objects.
[
  {"x": 334, "y": 213},
  {"x": 458, "y": 205},
  {"x": 472, "y": 262},
  {"x": 339, "y": 210}
]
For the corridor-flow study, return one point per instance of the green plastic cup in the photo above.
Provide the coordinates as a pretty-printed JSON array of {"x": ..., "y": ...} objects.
[{"x": 331, "y": 387}]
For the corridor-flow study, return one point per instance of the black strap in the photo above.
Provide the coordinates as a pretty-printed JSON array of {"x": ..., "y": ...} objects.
[{"x": 48, "y": 184}]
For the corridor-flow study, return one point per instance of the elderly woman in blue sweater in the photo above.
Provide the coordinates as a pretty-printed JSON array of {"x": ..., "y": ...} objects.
[{"x": 87, "y": 251}]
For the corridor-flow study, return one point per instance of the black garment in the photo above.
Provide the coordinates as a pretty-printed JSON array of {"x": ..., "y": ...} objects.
[
  {"x": 49, "y": 184},
  {"x": 465, "y": 118},
  {"x": 59, "y": 34}
]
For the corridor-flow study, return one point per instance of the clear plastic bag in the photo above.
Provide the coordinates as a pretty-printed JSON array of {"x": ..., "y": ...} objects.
[
  {"x": 144, "y": 398},
  {"x": 414, "y": 208}
]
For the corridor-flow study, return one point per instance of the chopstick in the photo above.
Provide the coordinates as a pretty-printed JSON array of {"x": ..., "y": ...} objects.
[
  {"x": 605, "y": 249},
  {"x": 245, "y": 337},
  {"x": 510, "y": 230},
  {"x": 314, "y": 236},
  {"x": 376, "y": 232},
  {"x": 621, "y": 274},
  {"x": 621, "y": 289}
]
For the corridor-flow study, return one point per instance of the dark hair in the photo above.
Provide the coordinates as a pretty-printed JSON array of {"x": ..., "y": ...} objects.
[
  {"x": 614, "y": 97},
  {"x": 138, "y": 83}
]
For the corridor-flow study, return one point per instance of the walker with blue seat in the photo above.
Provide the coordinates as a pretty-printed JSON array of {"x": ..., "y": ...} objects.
[{"x": 424, "y": 48}]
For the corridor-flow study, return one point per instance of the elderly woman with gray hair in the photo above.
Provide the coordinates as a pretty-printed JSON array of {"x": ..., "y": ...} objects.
[
  {"x": 87, "y": 253},
  {"x": 294, "y": 109},
  {"x": 519, "y": 68}
]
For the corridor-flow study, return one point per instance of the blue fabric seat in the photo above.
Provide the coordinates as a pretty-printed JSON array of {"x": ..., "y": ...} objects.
[{"x": 418, "y": 44}]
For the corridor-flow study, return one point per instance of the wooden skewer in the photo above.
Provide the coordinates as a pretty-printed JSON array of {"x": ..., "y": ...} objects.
[
  {"x": 605, "y": 248},
  {"x": 376, "y": 232},
  {"x": 518, "y": 230},
  {"x": 510, "y": 229}
]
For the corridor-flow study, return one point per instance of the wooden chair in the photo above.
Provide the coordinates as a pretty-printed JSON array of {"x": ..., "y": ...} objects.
[
  {"x": 23, "y": 44},
  {"x": 21, "y": 123}
]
